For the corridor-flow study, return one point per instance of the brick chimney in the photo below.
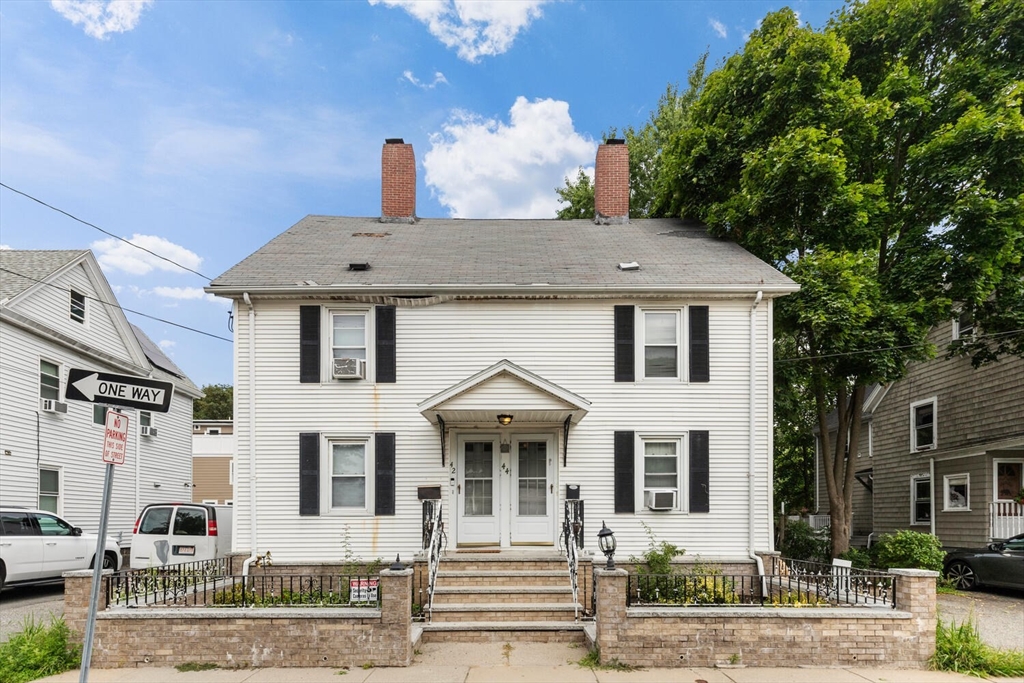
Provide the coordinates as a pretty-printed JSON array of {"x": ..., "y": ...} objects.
[
  {"x": 398, "y": 182},
  {"x": 611, "y": 183}
]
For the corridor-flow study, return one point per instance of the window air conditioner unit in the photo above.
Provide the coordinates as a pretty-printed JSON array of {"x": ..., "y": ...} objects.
[
  {"x": 149, "y": 431},
  {"x": 660, "y": 499},
  {"x": 349, "y": 368},
  {"x": 49, "y": 405}
]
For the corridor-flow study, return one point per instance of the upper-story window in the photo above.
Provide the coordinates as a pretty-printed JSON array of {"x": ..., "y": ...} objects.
[
  {"x": 49, "y": 380},
  {"x": 348, "y": 335},
  {"x": 77, "y": 306},
  {"x": 963, "y": 325},
  {"x": 923, "y": 425},
  {"x": 661, "y": 344},
  {"x": 347, "y": 344}
]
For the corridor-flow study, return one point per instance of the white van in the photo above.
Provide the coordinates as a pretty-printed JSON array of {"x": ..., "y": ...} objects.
[{"x": 172, "y": 533}]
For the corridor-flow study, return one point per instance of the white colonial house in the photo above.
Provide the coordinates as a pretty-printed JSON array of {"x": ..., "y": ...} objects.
[
  {"x": 505, "y": 364},
  {"x": 57, "y": 312}
]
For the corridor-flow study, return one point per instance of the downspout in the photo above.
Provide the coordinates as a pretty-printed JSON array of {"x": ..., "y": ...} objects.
[
  {"x": 750, "y": 455},
  {"x": 931, "y": 502},
  {"x": 251, "y": 399}
]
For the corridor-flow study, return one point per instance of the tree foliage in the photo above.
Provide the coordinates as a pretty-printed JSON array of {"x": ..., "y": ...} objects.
[
  {"x": 880, "y": 164},
  {"x": 217, "y": 403}
]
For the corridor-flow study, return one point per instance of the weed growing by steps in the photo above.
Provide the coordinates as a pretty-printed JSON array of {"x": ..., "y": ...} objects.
[
  {"x": 38, "y": 651},
  {"x": 960, "y": 649}
]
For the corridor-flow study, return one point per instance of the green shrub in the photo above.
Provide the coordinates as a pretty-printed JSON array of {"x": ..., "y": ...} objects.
[
  {"x": 38, "y": 651},
  {"x": 960, "y": 649},
  {"x": 804, "y": 543},
  {"x": 909, "y": 550},
  {"x": 657, "y": 559},
  {"x": 860, "y": 558}
]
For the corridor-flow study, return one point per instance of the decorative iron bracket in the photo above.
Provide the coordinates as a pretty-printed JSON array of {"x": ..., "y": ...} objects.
[
  {"x": 440, "y": 425},
  {"x": 565, "y": 442}
]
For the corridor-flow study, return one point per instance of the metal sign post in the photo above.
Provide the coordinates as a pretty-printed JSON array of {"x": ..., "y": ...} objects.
[{"x": 115, "y": 442}]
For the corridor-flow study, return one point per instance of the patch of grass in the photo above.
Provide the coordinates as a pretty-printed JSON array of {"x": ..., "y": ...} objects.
[
  {"x": 734, "y": 658},
  {"x": 592, "y": 660},
  {"x": 38, "y": 651},
  {"x": 944, "y": 586},
  {"x": 197, "y": 666},
  {"x": 342, "y": 672},
  {"x": 506, "y": 652},
  {"x": 367, "y": 665},
  {"x": 960, "y": 649}
]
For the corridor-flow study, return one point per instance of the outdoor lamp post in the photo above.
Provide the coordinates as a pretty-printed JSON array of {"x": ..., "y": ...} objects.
[{"x": 606, "y": 542}]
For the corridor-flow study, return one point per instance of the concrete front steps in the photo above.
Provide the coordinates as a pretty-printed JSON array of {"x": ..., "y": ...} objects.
[{"x": 523, "y": 596}]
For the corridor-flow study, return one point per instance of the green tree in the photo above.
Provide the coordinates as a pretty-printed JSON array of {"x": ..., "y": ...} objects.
[
  {"x": 217, "y": 403},
  {"x": 880, "y": 164},
  {"x": 645, "y": 147}
]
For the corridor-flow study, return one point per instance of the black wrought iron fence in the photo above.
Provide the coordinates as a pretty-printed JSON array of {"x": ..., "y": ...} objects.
[{"x": 152, "y": 588}]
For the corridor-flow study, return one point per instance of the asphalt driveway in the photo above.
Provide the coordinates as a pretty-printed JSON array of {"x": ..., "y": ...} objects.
[{"x": 999, "y": 615}]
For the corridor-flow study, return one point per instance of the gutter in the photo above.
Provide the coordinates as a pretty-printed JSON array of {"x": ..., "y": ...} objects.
[
  {"x": 251, "y": 398},
  {"x": 617, "y": 291},
  {"x": 751, "y": 445}
]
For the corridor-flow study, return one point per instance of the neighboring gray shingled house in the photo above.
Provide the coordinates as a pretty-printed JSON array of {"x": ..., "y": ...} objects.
[
  {"x": 501, "y": 363},
  {"x": 57, "y": 311}
]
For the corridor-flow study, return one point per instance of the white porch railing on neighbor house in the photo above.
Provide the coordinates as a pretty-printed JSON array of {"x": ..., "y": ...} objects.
[
  {"x": 819, "y": 521},
  {"x": 1005, "y": 519}
]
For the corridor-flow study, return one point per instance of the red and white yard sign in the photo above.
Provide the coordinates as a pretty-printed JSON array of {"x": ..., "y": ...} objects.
[{"x": 116, "y": 438}]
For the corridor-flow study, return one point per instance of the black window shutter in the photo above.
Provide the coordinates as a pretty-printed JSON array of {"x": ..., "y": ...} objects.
[
  {"x": 625, "y": 357},
  {"x": 385, "y": 356},
  {"x": 700, "y": 469},
  {"x": 700, "y": 368},
  {"x": 624, "y": 496},
  {"x": 309, "y": 344},
  {"x": 309, "y": 473},
  {"x": 384, "y": 481}
]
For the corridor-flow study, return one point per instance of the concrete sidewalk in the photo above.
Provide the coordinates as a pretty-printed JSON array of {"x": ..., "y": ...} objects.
[{"x": 514, "y": 662}]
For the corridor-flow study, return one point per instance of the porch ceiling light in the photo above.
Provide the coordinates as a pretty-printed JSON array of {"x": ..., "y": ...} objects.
[
  {"x": 606, "y": 542},
  {"x": 504, "y": 420}
]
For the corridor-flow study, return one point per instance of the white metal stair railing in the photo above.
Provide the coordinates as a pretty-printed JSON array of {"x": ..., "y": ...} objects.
[
  {"x": 433, "y": 552},
  {"x": 572, "y": 524},
  {"x": 1006, "y": 519}
]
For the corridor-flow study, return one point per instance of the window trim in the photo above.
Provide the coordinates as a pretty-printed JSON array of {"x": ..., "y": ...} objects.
[
  {"x": 60, "y": 488},
  {"x": 327, "y": 441},
  {"x": 71, "y": 308},
  {"x": 682, "y": 335},
  {"x": 914, "y": 499},
  {"x": 682, "y": 487},
  {"x": 327, "y": 341},
  {"x": 995, "y": 477},
  {"x": 914, "y": 448},
  {"x": 947, "y": 481}
]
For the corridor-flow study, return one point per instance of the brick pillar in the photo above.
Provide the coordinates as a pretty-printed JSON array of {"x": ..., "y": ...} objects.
[
  {"x": 396, "y": 614},
  {"x": 915, "y": 593},
  {"x": 235, "y": 561},
  {"x": 611, "y": 610},
  {"x": 77, "y": 592},
  {"x": 398, "y": 182},
  {"x": 611, "y": 183}
]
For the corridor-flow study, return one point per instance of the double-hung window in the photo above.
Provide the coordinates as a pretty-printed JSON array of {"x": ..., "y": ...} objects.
[
  {"x": 49, "y": 380},
  {"x": 661, "y": 344},
  {"x": 348, "y": 334},
  {"x": 923, "y": 425},
  {"x": 963, "y": 325},
  {"x": 353, "y": 344},
  {"x": 661, "y": 470},
  {"x": 920, "y": 499},
  {"x": 348, "y": 475},
  {"x": 49, "y": 490},
  {"x": 77, "y": 311}
]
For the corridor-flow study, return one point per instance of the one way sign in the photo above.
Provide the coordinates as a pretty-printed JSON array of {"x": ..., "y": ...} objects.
[{"x": 119, "y": 390}]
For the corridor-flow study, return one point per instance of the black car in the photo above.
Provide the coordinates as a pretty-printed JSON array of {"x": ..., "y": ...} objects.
[{"x": 1000, "y": 564}]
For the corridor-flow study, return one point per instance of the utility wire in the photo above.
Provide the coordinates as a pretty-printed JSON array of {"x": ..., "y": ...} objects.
[
  {"x": 118, "y": 306},
  {"x": 96, "y": 227},
  {"x": 891, "y": 348}
]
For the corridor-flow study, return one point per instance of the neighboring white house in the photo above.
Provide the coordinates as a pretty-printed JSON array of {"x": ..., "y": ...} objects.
[
  {"x": 57, "y": 311},
  {"x": 373, "y": 357}
]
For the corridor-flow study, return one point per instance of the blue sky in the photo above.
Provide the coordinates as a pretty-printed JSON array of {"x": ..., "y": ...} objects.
[{"x": 201, "y": 130}]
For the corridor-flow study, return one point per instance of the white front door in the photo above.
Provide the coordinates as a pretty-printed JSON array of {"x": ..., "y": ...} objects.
[
  {"x": 478, "y": 491},
  {"x": 533, "y": 490}
]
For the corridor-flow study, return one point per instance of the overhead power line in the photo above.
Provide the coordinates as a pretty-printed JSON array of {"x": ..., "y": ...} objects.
[
  {"x": 891, "y": 348},
  {"x": 122, "y": 308},
  {"x": 105, "y": 232}
]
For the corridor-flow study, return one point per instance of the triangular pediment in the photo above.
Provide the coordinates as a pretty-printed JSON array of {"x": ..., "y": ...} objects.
[{"x": 504, "y": 388}]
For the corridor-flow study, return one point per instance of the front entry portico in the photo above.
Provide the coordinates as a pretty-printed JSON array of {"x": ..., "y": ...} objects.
[{"x": 503, "y": 489}]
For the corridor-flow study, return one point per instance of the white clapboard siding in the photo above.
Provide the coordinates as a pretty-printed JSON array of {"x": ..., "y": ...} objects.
[{"x": 569, "y": 343}]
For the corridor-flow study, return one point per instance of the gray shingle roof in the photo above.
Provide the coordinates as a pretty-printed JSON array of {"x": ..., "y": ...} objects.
[
  {"x": 33, "y": 264},
  {"x": 435, "y": 252}
]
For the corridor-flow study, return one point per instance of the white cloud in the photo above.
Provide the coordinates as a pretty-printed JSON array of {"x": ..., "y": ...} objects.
[
  {"x": 475, "y": 28},
  {"x": 189, "y": 294},
  {"x": 101, "y": 18},
  {"x": 166, "y": 344},
  {"x": 114, "y": 254},
  {"x": 489, "y": 169},
  {"x": 718, "y": 27},
  {"x": 438, "y": 78},
  {"x": 4, "y": 246}
]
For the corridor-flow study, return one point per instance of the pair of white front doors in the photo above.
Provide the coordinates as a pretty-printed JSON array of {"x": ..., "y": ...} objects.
[{"x": 505, "y": 498}]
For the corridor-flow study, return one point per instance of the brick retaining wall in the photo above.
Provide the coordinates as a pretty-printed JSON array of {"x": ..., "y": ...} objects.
[
  {"x": 781, "y": 636},
  {"x": 247, "y": 637}
]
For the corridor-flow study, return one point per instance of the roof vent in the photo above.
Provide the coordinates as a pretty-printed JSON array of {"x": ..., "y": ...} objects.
[
  {"x": 632, "y": 265},
  {"x": 359, "y": 266}
]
